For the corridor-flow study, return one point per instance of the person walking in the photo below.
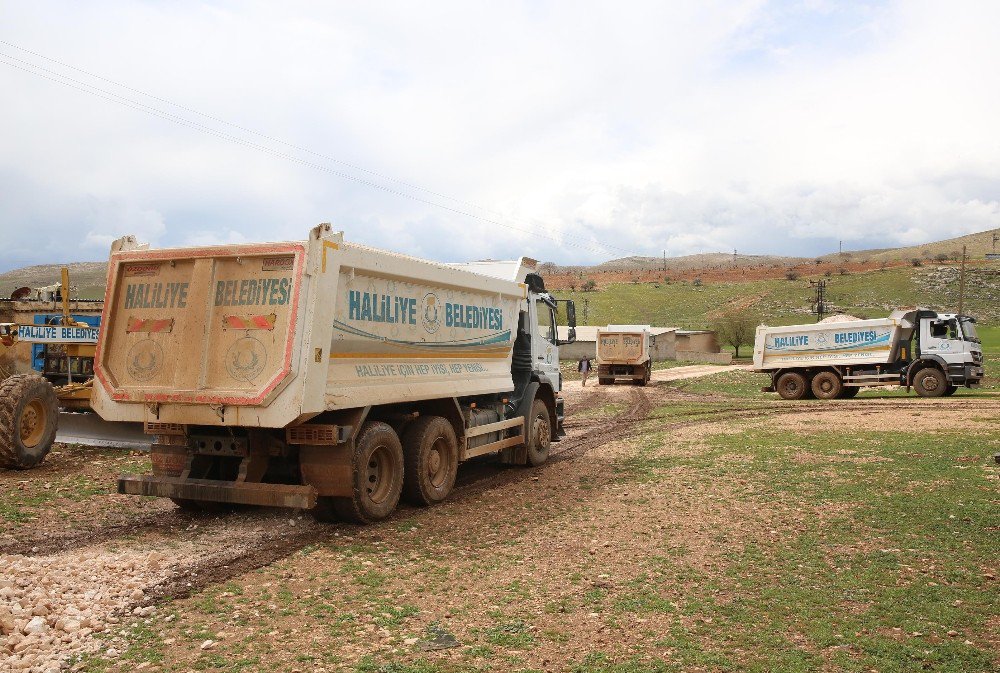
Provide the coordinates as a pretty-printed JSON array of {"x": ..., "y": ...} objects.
[{"x": 583, "y": 366}]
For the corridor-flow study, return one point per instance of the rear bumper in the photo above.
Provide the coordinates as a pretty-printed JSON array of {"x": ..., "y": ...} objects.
[
  {"x": 231, "y": 492},
  {"x": 634, "y": 372}
]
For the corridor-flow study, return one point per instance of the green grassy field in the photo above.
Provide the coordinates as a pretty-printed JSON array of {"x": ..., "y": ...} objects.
[{"x": 872, "y": 294}]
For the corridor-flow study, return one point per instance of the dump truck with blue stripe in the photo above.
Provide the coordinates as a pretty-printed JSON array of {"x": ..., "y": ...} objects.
[
  {"x": 323, "y": 374},
  {"x": 933, "y": 353}
]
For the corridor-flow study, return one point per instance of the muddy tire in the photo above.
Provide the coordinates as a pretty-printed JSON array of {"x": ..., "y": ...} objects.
[
  {"x": 377, "y": 473},
  {"x": 605, "y": 381},
  {"x": 950, "y": 390},
  {"x": 29, "y": 412},
  {"x": 930, "y": 382},
  {"x": 538, "y": 433},
  {"x": 430, "y": 460},
  {"x": 792, "y": 386},
  {"x": 826, "y": 385},
  {"x": 847, "y": 392}
]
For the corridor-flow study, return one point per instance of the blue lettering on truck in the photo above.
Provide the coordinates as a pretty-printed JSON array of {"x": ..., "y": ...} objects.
[
  {"x": 791, "y": 341},
  {"x": 473, "y": 317},
  {"x": 251, "y": 292},
  {"x": 376, "y": 307},
  {"x": 864, "y": 337},
  {"x": 386, "y": 308}
]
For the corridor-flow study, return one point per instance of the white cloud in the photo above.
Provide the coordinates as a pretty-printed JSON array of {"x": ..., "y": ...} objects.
[{"x": 688, "y": 126}]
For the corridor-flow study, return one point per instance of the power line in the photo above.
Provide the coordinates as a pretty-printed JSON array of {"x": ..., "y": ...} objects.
[
  {"x": 110, "y": 96},
  {"x": 243, "y": 128}
]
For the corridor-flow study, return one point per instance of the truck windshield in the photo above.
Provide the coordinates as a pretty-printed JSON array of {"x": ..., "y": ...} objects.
[{"x": 969, "y": 329}]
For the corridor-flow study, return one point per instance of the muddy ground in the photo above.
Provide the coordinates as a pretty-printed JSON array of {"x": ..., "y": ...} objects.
[{"x": 514, "y": 571}]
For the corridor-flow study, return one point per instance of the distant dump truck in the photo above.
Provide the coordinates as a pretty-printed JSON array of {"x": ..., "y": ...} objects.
[
  {"x": 934, "y": 353},
  {"x": 623, "y": 354},
  {"x": 325, "y": 375}
]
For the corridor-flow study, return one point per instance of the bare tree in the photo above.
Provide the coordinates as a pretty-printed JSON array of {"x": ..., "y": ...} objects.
[{"x": 736, "y": 328}]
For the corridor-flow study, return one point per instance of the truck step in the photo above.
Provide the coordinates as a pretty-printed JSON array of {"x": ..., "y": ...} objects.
[{"x": 233, "y": 492}]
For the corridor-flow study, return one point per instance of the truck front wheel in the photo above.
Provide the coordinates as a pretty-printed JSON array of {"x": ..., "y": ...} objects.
[
  {"x": 29, "y": 413},
  {"x": 538, "y": 433},
  {"x": 430, "y": 457},
  {"x": 377, "y": 474},
  {"x": 827, "y": 385},
  {"x": 950, "y": 390},
  {"x": 930, "y": 382},
  {"x": 791, "y": 386}
]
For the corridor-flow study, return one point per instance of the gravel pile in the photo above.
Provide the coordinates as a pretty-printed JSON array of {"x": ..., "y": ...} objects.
[{"x": 50, "y": 606}]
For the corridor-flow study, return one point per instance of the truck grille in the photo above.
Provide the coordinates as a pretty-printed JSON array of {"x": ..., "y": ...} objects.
[{"x": 977, "y": 358}]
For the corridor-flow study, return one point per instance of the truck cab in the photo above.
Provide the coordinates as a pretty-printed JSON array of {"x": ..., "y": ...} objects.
[{"x": 950, "y": 341}]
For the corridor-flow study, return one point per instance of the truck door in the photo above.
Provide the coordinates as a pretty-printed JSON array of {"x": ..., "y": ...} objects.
[{"x": 544, "y": 353}]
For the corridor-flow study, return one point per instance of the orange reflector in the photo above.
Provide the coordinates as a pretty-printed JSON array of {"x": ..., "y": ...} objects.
[
  {"x": 150, "y": 325},
  {"x": 249, "y": 321}
]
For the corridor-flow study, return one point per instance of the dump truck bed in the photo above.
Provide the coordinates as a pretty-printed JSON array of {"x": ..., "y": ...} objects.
[
  {"x": 622, "y": 345},
  {"x": 826, "y": 344},
  {"x": 270, "y": 335}
]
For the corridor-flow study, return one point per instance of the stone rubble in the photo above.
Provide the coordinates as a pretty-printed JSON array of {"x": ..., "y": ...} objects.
[{"x": 50, "y": 606}]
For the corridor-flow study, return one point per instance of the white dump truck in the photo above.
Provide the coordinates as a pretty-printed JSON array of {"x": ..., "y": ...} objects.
[
  {"x": 934, "y": 353},
  {"x": 623, "y": 354},
  {"x": 325, "y": 375}
]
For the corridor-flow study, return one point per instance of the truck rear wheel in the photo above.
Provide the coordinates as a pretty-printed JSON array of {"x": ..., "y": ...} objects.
[
  {"x": 791, "y": 386},
  {"x": 377, "y": 474},
  {"x": 538, "y": 433},
  {"x": 847, "y": 392},
  {"x": 827, "y": 385},
  {"x": 430, "y": 460},
  {"x": 29, "y": 412},
  {"x": 605, "y": 381},
  {"x": 930, "y": 382}
]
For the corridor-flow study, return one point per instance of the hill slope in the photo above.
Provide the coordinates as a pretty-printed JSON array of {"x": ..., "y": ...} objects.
[{"x": 88, "y": 278}]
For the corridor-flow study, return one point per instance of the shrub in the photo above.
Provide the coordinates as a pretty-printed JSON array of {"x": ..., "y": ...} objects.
[{"x": 792, "y": 274}]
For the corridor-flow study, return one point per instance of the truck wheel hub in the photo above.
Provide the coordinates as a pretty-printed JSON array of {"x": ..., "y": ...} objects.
[
  {"x": 378, "y": 476},
  {"x": 32, "y": 423}
]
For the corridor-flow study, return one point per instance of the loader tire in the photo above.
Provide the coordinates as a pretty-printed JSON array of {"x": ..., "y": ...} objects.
[
  {"x": 827, "y": 386},
  {"x": 29, "y": 412},
  {"x": 377, "y": 475},
  {"x": 538, "y": 433},
  {"x": 792, "y": 386},
  {"x": 430, "y": 460},
  {"x": 930, "y": 382}
]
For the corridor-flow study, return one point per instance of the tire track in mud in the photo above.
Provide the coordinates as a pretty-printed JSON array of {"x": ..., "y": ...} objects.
[
  {"x": 272, "y": 547},
  {"x": 250, "y": 549},
  {"x": 482, "y": 474}
]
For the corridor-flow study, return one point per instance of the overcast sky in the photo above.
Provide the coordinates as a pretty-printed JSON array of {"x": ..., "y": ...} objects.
[{"x": 591, "y": 130}]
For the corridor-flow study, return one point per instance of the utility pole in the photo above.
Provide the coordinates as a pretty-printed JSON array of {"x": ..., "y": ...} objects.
[
  {"x": 841, "y": 249},
  {"x": 586, "y": 305},
  {"x": 996, "y": 237},
  {"x": 820, "y": 300},
  {"x": 664, "y": 261},
  {"x": 961, "y": 284}
]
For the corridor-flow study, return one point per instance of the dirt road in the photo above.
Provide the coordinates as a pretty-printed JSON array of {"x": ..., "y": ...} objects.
[{"x": 87, "y": 571}]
